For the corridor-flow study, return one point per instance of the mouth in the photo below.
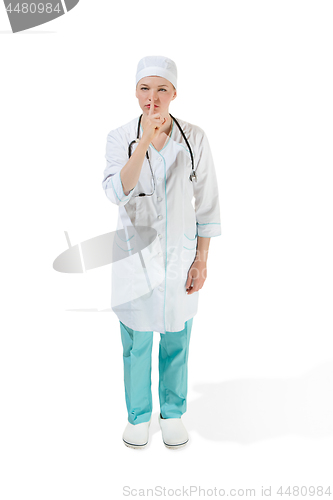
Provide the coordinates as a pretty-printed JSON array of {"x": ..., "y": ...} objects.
[{"x": 148, "y": 106}]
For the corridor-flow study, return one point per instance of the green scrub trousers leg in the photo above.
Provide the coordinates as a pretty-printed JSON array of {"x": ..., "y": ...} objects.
[
  {"x": 173, "y": 357},
  {"x": 137, "y": 347}
]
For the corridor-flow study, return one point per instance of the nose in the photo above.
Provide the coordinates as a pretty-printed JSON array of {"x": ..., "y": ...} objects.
[{"x": 152, "y": 97}]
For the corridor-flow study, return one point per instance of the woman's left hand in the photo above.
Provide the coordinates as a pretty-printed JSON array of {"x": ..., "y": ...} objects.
[{"x": 197, "y": 273}]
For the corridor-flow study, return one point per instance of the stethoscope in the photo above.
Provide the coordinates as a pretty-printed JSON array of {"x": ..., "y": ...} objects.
[{"x": 192, "y": 175}]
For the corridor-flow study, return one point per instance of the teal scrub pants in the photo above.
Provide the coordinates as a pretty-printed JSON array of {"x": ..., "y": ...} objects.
[{"x": 173, "y": 357}]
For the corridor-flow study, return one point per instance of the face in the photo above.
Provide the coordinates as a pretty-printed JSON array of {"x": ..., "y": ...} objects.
[{"x": 156, "y": 89}]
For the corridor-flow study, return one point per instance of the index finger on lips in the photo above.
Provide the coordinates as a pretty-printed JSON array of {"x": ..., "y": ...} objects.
[{"x": 151, "y": 109}]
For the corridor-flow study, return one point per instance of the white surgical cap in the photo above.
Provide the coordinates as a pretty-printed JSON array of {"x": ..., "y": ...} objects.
[{"x": 157, "y": 66}]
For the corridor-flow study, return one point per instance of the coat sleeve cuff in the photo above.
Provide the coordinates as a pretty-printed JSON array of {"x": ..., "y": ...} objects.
[{"x": 209, "y": 229}]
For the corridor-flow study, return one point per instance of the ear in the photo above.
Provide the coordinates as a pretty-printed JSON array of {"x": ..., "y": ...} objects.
[{"x": 174, "y": 95}]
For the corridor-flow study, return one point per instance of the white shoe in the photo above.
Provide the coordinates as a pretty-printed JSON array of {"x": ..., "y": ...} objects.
[
  {"x": 136, "y": 436},
  {"x": 173, "y": 432}
]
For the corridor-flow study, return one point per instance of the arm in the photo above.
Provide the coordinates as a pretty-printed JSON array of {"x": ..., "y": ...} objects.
[
  {"x": 130, "y": 173},
  {"x": 207, "y": 207},
  {"x": 116, "y": 159},
  {"x": 202, "y": 249},
  {"x": 207, "y": 211},
  {"x": 122, "y": 173}
]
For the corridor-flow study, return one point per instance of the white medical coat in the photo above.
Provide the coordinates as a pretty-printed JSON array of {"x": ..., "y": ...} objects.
[{"x": 171, "y": 212}]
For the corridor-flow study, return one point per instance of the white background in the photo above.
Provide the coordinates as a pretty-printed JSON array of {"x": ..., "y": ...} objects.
[{"x": 257, "y": 77}]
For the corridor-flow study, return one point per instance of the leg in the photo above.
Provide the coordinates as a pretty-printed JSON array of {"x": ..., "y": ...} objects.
[
  {"x": 137, "y": 347},
  {"x": 173, "y": 357}
]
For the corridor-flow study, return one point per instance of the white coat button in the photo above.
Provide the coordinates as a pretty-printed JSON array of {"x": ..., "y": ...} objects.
[
  {"x": 159, "y": 253},
  {"x": 159, "y": 198},
  {"x": 161, "y": 288},
  {"x": 160, "y": 159},
  {"x": 159, "y": 216},
  {"x": 160, "y": 179},
  {"x": 160, "y": 236}
]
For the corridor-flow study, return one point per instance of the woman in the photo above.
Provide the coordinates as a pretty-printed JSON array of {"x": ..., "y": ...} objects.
[{"x": 153, "y": 181}]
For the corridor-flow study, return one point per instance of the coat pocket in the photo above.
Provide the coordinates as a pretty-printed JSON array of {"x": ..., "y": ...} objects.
[
  {"x": 190, "y": 243},
  {"x": 188, "y": 252}
]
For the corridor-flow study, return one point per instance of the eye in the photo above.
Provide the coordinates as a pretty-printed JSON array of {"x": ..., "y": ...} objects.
[
  {"x": 144, "y": 88},
  {"x": 163, "y": 90}
]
